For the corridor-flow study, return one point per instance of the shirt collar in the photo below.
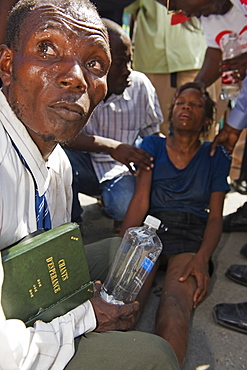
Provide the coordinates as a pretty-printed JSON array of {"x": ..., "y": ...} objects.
[
  {"x": 26, "y": 146},
  {"x": 114, "y": 98}
]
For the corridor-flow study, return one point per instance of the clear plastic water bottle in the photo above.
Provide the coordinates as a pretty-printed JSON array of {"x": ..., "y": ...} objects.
[
  {"x": 134, "y": 260},
  {"x": 230, "y": 85}
]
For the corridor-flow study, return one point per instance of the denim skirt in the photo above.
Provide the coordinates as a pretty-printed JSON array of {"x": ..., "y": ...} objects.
[{"x": 180, "y": 232}]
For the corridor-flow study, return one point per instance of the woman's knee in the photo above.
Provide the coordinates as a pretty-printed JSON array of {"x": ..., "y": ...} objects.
[{"x": 173, "y": 311}]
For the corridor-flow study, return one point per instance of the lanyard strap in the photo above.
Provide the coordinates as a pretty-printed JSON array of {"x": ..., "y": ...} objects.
[{"x": 43, "y": 217}]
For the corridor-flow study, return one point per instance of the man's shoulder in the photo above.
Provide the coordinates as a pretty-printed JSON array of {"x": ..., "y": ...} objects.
[
  {"x": 217, "y": 20},
  {"x": 220, "y": 153},
  {"x": 241, "y": 5},
  {"x": 140, "y": 83},
  {"x": 155, "y": 140},
  {"x": 139, "y": 77}
]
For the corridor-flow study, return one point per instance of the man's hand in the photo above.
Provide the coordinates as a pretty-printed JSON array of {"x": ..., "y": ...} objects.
[
  {"x": 111, "y": 316},
  {"x": 237, "y": 64},
  {"x": 129, "y": 155},
  {"x": 123, "y": 153},
  {"x": 228, "y": 137}
]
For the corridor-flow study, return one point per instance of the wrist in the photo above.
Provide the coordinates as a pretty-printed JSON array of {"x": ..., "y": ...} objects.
[{"x": 230, "y": 129}]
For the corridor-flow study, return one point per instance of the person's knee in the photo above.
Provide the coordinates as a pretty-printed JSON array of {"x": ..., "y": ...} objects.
[
  {"x": 116, "y": 195},
  {"x": 115, "y": 207},
  {"x": 159, "y": 350},
  {"x": 117, "y": 350},
  {"x": 173, "y": 315}
]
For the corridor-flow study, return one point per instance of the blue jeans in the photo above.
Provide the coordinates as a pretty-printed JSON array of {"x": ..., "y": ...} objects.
[{"x": 115, "y": 194}]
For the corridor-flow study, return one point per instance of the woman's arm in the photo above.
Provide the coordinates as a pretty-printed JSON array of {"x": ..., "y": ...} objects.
[
  {"x": 198, "y": 267},
  {"x": 139, "y": 204}
]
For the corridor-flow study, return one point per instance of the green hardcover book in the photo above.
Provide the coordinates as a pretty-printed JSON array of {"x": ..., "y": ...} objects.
[{"x": 46, "y": 275}]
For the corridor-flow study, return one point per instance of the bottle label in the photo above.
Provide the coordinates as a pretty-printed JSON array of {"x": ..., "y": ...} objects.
[
  {"x": 229, "y": 79},
  {"x": 147, "y": 264}
]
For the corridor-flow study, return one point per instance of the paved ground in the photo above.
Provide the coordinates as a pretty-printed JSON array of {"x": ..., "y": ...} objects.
[{"x": 211, "y": 346}]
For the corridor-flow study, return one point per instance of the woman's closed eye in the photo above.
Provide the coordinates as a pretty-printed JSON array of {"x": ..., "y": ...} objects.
[{"x": 193, "y": 104}]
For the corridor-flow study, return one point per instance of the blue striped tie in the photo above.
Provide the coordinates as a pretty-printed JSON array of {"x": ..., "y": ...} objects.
[{"x": 43, "y": 217}]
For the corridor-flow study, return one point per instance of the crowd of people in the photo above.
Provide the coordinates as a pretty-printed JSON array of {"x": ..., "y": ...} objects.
[{"x": 75, "y": 117}]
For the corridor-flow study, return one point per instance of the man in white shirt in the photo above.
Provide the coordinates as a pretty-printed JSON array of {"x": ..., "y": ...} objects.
[{"x": 53, "y": 68}]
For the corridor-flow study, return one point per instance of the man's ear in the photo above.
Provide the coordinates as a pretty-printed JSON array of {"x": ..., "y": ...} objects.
[{"x": 6, "y": 57}]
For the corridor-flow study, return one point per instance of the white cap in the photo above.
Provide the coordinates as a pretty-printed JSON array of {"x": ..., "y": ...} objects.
[{"x": 152, "y": 221}]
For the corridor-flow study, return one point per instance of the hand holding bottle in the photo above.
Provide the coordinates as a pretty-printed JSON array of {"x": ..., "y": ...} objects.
[
  {"x": 237, "y": 64},
  {"x": 230, "y": 77},
  {"x": 110, "y": 316},
  {"x": 135, "y": 258}
]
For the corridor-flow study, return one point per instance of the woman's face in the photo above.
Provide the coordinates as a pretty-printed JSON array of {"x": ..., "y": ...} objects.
[{"x": 189, "y": 111}]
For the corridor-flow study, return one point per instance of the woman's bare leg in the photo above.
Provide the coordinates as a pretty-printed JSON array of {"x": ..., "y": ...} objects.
[{"x": 176, "y": 305}]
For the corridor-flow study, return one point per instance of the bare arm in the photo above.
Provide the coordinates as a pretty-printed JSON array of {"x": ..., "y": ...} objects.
[
  {"x": 236, "y": 122},
  {"x": 198, "y": 267},
  {"x": 123, "y": 153},
  {"x": 228, "y": 136},
  {"x": 209, "y": 73},
  {"x": 210, "y": 70},
  {"x": 139, "y": 204}
]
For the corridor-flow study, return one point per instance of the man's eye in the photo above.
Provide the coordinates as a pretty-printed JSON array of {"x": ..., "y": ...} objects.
[
  {"x": 46, "y": 49},
  {"x": 96, "y": 66}
]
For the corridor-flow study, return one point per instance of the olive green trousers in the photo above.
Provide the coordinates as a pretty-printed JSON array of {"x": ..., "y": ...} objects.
[{"x": 116, "y": 350}]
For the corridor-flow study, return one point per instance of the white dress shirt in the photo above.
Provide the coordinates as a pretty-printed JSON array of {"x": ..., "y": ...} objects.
[{"x": 47, "y": 345}]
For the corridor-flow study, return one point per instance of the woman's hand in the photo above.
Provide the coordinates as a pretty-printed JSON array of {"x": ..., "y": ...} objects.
[{"x": 198, "y": 268}]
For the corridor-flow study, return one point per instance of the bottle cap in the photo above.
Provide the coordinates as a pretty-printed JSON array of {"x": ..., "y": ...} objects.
[
  {"x": 152, "y": 221},
  {"x": 233, "y": 36}
]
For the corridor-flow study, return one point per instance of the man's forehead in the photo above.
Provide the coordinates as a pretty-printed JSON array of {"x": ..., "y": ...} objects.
[
  {"x": 191, "y": 91},
  {"x": 49, "y": 16}
]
